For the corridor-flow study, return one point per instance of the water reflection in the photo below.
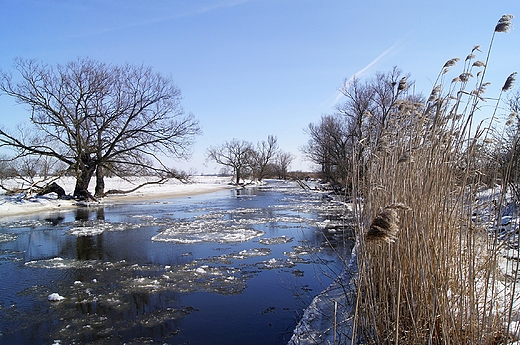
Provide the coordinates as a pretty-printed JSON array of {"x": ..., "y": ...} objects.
[
  {"x": 85, "y": 213},
  {"x": 54, "y": 221},
  {"x": 89, "y": 247}
]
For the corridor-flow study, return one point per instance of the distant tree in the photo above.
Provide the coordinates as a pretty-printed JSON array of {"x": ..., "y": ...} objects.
[
  {"x": 262, "y": 156},
  {"x": 328, "y": 147},
  {"x": 7, "y": 170},
  {"x": 235, "y": 154},
  {"x": 98, "y": 118},
  {"x": 281, "y": 164},
  {"x": 360, "y": 126}
]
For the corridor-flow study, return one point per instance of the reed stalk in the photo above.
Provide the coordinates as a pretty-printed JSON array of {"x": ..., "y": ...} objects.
[{"x": 427, "y": 267}]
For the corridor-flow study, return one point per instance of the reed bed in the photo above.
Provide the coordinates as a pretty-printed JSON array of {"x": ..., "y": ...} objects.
[{"x": 428, "y": 270}]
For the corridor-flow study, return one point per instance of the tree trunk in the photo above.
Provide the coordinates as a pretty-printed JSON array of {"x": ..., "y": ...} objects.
[
  {"x": 82, "y": 182},
  {"x": 99, "y": 191}
]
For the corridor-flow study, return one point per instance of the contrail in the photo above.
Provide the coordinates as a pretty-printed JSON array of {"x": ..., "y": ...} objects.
[
  {"x": 338, "y": 95},
  {"x": 195, "y": 11}
]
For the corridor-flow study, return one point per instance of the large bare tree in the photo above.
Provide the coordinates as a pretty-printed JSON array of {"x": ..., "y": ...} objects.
[
  {"x": 360, "y": 125},
  {"x": 99, "y": 118}
]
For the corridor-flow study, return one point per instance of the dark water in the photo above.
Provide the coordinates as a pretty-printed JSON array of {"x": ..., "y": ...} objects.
[{"x": 231, "y": 267}]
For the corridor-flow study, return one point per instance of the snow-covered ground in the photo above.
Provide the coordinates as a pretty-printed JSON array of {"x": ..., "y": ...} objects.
[{"x": 24, "y": 203}]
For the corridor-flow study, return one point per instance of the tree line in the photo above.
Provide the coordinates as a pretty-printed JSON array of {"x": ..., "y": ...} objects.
[
  {"x": 91, "y": 120},
  {"x": 365, "y": 124},
  {"x": 256, "y": 162}
]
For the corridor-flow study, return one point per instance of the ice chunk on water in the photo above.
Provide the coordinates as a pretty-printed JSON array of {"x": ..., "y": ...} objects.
[
  {"x": 275, "y": 263},
  {"x": 255, "y": 252},
  {"x": 197, "y": 232},
  {"x": 276, "y": 240},
  {"x": 55, "y": 297},
  {"x": 98, "y": 227},
  {"x": 200, "y": 270},
  {"x": 8, "y": 237},
  {"x": 60, "y": 263}
]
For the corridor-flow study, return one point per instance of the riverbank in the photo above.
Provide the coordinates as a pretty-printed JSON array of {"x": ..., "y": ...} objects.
[{"x": 27, "y": 203}]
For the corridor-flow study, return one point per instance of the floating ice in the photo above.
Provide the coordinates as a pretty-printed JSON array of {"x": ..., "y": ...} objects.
[
  {"x": 98, "y": 227},
  {"x": 197, "y": 232},
  {"x": 276, "y": 240},
  {"x": 255, "y": 252},
  {"x": 60, "y": 263},
  {"x": 55, "y": 297},
  {"x": 144, "y": 217},
  {"x": 7, "y": 237},
  {"x": 275, "y": 263}
]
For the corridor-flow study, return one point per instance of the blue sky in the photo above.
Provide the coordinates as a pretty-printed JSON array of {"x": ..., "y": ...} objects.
[{"x": 252, "y": 68}]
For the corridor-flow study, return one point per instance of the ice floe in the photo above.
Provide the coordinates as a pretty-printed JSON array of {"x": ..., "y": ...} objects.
[
  {"x": 196, "y": 232},
  {"x": 6, "y": 237},
  {"x": 93, "y": 228},
  {"x": 275, "y": 240},
  {"x": 55, "y": 297}
]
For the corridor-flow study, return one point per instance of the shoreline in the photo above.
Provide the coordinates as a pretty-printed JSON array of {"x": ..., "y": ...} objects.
[
  {"x": 140, "y": 196},
  {"x": 17, "y": 206}
]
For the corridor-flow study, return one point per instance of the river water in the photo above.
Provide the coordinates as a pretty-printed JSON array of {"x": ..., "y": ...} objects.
[{"x": 230, "y": 267}]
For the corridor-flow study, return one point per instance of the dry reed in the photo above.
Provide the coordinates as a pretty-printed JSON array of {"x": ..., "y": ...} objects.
[{"x": 428, "y": 273}]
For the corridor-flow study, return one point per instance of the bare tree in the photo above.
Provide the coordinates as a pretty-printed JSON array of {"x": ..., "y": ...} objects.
[
  {"x": 262, "y": 156},
  {"x": 361, "y": 124},
  {"x": 96, "y": 118},
  {"x": 234, "y": 154},
  {"x": 328, "y": 147},
  {"x": 282, "y": 161}
]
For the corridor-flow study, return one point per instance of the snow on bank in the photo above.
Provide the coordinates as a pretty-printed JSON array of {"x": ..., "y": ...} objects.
[
  {"x": 25, "y": 203},
  {"x": 328, "y": 319}
]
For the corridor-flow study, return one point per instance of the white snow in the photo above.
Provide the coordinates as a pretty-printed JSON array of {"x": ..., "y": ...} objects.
[{"x": 25, "y": 203}]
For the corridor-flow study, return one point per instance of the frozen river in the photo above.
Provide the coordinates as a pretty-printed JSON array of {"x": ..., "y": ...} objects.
[{"x": 230, "y": 267}]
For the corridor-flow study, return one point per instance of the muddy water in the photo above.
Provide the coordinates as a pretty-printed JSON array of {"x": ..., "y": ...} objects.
[{"x": 231, "y": 267}]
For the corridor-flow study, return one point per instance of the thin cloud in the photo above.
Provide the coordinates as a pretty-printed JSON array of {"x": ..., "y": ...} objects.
[
  {"x": 225, "y": 4},
  {"x": 182, "y": 14}
]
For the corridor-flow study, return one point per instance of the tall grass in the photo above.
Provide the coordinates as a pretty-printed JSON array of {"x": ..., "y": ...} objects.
[{"x": 428, "y": 270}]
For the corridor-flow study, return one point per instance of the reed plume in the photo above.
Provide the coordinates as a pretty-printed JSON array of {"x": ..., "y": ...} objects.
[
  {"x": 509, "y": 82},
  {"x": 451, "y": 62},
  {"x": 504, "y": 23},
  {"x": 385, "y": 225},
  {"x": 402, "y": 84}
]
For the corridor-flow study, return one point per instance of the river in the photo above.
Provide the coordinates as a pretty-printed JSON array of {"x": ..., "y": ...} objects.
[{"x": 229, "y": 267}]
